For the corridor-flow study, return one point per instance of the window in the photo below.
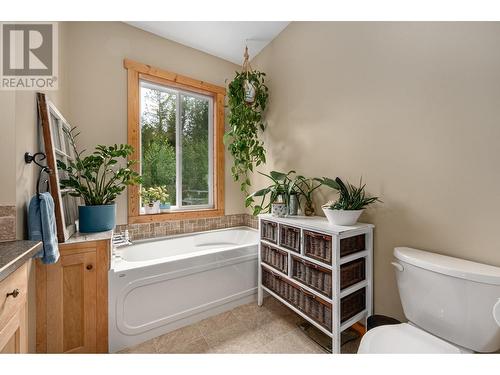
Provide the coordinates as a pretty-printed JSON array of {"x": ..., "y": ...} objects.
[
  {"x": 175, "y": 125},
  {"x": 176, "y": 144},
  {"x": 56, "y": 146}
]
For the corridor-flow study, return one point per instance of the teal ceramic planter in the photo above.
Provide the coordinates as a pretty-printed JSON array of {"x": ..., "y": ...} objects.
[
  {"x": 97, "y": 218},
  {"x": 164, "y": 206}
]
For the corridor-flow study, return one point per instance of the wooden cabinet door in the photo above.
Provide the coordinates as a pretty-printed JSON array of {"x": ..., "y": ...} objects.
[
  {"x": 71, "y": 307},
  {"x": 13, "y": 336}
]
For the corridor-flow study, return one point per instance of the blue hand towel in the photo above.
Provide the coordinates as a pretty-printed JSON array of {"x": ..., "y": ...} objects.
[{"x": 42, "y": 227}]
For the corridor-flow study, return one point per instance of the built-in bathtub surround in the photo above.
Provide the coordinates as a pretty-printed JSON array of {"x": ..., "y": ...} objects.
[
  {"x": 7, "y": 223},
  {"x": 159, "y": 285},
  {"x": 173, "y": 227}
]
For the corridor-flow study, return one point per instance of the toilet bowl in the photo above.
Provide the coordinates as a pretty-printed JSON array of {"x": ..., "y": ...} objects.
[
  {"x": 405, "y": 338},
  {"x": 452, "y": 305}
]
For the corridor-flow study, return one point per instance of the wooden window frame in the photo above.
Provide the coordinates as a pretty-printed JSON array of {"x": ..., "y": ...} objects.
[
  {"x": 135, "y": 73},
  {"x": 53, "y": 140}
]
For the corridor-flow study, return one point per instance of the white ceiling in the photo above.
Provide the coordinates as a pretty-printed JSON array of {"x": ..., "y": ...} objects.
[{"x": 223, "y": 39}]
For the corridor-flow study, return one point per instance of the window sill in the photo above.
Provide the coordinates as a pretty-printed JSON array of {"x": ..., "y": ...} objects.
[{"x": 175, "y": 215}]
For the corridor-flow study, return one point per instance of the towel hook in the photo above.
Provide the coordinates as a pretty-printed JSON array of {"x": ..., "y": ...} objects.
[{"x": 28, "y": 158}]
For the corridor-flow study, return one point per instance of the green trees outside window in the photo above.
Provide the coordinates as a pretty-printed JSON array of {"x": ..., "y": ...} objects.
[{"x": 173, "y": 124}]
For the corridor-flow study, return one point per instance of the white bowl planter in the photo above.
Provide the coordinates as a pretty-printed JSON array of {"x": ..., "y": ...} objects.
[
  {"x": 342, "y": 217},
  {"x": 154, "y": 209}
]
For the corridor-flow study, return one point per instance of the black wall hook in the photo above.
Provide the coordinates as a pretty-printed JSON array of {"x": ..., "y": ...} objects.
[{"x": 28, "y": 158}]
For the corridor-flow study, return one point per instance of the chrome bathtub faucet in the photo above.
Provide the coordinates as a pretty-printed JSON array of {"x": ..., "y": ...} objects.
[{"x": 122, "y": 239}]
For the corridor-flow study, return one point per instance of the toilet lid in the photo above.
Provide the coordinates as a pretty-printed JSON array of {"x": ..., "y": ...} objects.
[{"x": 403, "y": 338}]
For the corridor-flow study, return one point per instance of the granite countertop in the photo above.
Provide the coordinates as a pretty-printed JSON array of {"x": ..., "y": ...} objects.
[
  {"x": 13, "y": 254},
  {"x": 85, "y": 237}
]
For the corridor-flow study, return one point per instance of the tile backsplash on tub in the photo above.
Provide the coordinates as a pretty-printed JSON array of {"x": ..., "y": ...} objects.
[
  {"x": 251, "y": 221},
  {"x": 171, "y": 227},
  {"x": 7, "y": 223}
]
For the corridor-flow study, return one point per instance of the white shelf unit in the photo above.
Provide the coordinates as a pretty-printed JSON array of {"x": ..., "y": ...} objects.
[{"x": 320, "y": 226}]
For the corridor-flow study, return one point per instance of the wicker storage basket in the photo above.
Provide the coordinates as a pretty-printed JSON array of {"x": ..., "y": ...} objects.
[
  {"x": 352, "y": 245},
  {"x": 352, "y": 272},
  {"x": 310, "y": 304},
  {"x": 352, "y": 304},
  {"x": 320, "y": 278},
  {"x": 312, "y": 275},
  {"x": 274, "y": 257},
  {"x": 290, "y": 237},
  {"x": 269, "y": 231},
  {"x": 318, "y": 246}
]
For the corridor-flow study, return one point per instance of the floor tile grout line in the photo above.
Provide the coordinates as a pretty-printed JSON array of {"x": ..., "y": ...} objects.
[{"x": 276, "y": 314}]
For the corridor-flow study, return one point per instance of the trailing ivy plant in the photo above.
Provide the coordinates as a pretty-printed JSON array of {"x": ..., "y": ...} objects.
[{"x": 245, "y": 124}]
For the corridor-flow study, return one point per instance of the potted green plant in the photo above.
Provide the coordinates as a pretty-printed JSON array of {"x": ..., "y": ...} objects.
[
  {"x": 277, "y": 194},
  {"x": 164, "y": 199},
  {"x": 149, "y": 200},
  {"x": 154, "y": 199},
  {"x": 305, "y": 188},
  {"x": 98, "y": 180},
  {"x": 350, "y": 204},
  {"x": 247, "y": 100}
]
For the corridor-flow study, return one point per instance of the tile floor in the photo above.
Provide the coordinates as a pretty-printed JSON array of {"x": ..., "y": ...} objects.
[{"x": 271, "y": 328}]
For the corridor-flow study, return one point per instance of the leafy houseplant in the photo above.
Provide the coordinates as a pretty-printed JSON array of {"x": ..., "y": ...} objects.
[
  {"x": 352, "y": 200},
  {"x": 289, "y": 186},
  {"x": 306, "y": 187},
  {"x": 153, "y": 197},
  {"x": 245, "y": 124},
  {"x": 278, "y": 193},
  {"x": 98, "y": 181},
  {"x": 164, "y": 200}
]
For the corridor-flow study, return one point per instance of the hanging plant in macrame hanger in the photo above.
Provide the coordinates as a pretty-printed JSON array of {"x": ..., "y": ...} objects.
[
  {"x": 247, "y": 100},
  {"x": 248, "y": 87}
]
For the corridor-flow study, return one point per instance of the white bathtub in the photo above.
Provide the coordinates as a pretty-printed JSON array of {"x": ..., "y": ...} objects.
[{"x": 159, "y": 285}]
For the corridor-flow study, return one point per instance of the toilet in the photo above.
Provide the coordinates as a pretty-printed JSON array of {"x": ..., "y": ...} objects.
[{"x": 452, "y": 306}]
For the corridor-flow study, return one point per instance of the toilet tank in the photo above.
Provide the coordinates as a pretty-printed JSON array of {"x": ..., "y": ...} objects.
[{"x": 452, "y": 298}]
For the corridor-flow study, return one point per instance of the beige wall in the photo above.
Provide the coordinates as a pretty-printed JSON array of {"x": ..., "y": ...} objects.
[
  {"x": 414, "y": 108},
  {"x": 22, "y": 136},
  {"x": 98, "y": 87},
  {"x": 8, "y": 148},
  {"x": 27, "y": 133}
]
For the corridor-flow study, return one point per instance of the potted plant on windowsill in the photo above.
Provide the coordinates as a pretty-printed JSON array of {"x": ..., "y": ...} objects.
[
  {"x": 98, "y": 180},
  {"x": 164, "y": 200},
  {"x": 351, "y": 203},
  {"x": 149, "y": 201},
  {"x": 155, "y": 199}
]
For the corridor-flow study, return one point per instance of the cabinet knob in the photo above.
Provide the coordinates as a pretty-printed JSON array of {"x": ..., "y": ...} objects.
[
  {"x": 89, "y": 266},
  {"x": 14, "y": 293}
]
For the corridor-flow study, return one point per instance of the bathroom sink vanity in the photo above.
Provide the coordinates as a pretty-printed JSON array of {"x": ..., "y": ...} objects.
[
  {"x": 72, "y": 297},
  {"x": 15, "y": 258},
  {"x": 320, "y": 271}
]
